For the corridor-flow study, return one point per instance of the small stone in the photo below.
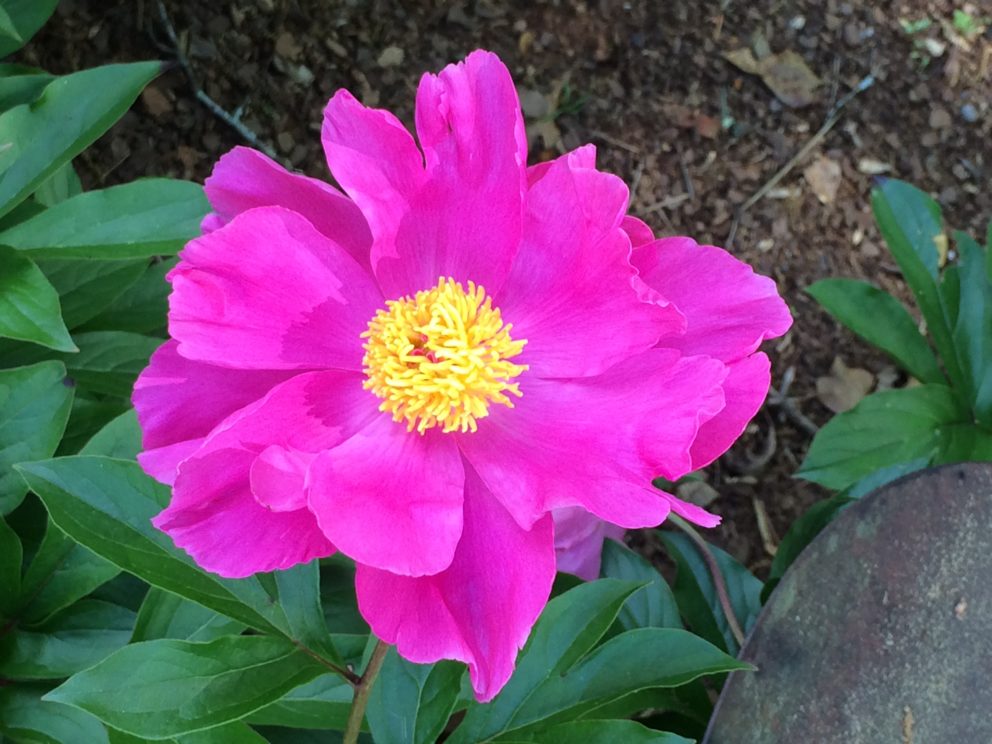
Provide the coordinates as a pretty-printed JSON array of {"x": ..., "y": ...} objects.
[
  {"x": 392, "y": 56},
  {"x": 969, "y": 113},
  {"x": 939, "y": 118},
  {"x": 286, "y": 141}
]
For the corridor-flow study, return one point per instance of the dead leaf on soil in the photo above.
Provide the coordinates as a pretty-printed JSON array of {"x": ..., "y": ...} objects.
[
  {"x": 824, "y": 177},
  {"x": 787, "y": 74},
  {"x": 844, "y": 387},
  {"x": 156, "y": 102}
]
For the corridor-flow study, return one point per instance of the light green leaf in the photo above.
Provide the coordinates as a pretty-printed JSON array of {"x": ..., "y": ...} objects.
[
  {"x": 696, "y": 593},
  {"x": 881, "y": 320},
  {"x": 884, "y": 429},
  {"x": 26, "y": 17},
  {"x": 411, "y": 703},
  {"x": 972, "y": 330},
  {"x": 21, "y": 84},
  {"x": 87, "y": 287},
  {"x": 70, "y": 114},
  {"x": 321, "y": 704},
  {"x": 109, "y": 362},
  {"x": 120, "y": 438},
  {"x": 167, "y": 615},
  {"x": 144, "y": 218},
  {"x": 25, "y": 717},
  {"x": 62, "y": 185},
  {"x": 653, "y": 606},
  {"x": 34, "y": 407},
  {"x": 71, "y": 641},
  {"x": 107, "y": 505},
  {"x": 29, "y": 305},
  {"x": 299, "y": 597},
  {"x": 167, "y": 688}
]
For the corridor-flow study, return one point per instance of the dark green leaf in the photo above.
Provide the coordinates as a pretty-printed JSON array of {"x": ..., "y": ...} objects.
[
  {"x": 26, "y": 16},
  {"x": 411, "y": 703},
  {"x": 142, "y": 308},
  {"x": 167, "y": 615},
  {"x": 87, "y": 287},
  {"x": 884, "y": 429},
  {"x": 972, "y": 331},
  {"x": 653, "y": 606},
  {"x": 964, "y": 443},
  {"x": 628, "y": 732},
  {"x": 25, "y": 717},
  {"x": 70, "y": 114},
  {"x": 337, "y": 595},
  {"x": 168, "y": 688},
  {"x": 109, "y": 362},
  {"x": 29, "y": 305},
  {"x": 144, "y": 218},
  {"x": 107, "y": 505},
  {"x": 881, "y": 320},
  {"x": 299, "y": 598},
  {"x": 34, "y": 406},
  {"x": 697, "y": 596},
  {"x": 120, "y": 438},
  {"x": 911, "y": 223},
  {"x": 11, "y": 555},
  {"x": 89, "y": 415},
  {"x": 61, "y": 185},
  {"x": 883, "y": 476},
  {"x": 569, "y": 626},
  {"x": 61, "y": 572},
  {"x": 21, "y": 85},
  {"x": 230, "y": 733},
  {"x": 71, "y": 641},
  {"x": 323, "y": 703}
]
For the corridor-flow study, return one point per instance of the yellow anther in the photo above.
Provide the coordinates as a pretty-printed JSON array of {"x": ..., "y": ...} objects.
[{"x": 441, "y": 358}]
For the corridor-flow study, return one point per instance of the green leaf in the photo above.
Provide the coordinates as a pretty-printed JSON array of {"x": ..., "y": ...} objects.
[
  {"x": 87, "y": 287},
  {"x": 654, "y": 605},
  {"x": 411, "y": 703},
  {"x": 109, "y": 362},
  {"x": 883, "y": 476},
  {"x": 71, "y": 641},
  {"x": 323, "y": 703},
  {"x": 144, "y": 218},
  {"x": 107, "y": 505},
  {"x": 881, "y": 320},
  {"x": 70, "y": 114},
  {"x": 120, "y": 438},
  {"x": 628, "y": 732},
  {"x": 167, "y": 615},
  {"x": 11, "y": 555},
  {"x": 20, "y": 84},
  {"x": 26, "y": 17},
  {"x": 911, "y": 224},
  {"x": 972, "y": 331},
  {"x": 88, "y": 416},
  {"x": 964, "y": 443},
  {"x": 143, "y": 306},
  {"x": 8, "y": 32},
  {"x": 638, "y": 659},
  {"x": 299, "y": 597},
  {"x": 25, "y": 717},
  {"x": 696, "y": 592},
  {"x": 62, "y": 185},
  {"x": 230, "y": 733},
  {"x": 34, "y": 407},
  {"x": 337, "y": 595},
  {"x": 61, "y": 572},
  {"x": 884, "y": 429},
  {"x": 569, "y": 626},
  {"x": 29, "y": 305},
  {"x": 168, "y": 687}
]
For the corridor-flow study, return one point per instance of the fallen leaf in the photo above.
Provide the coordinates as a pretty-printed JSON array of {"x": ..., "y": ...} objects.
[
  {"x": 155, "y": 101},
  {"x": 824, "y": 177},
  {"x": 707, "y": 126},
  {"x": 787, "y": 74},
  {"x": 844, "y": 387}
]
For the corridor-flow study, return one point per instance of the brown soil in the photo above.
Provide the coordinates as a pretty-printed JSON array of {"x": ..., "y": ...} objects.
[{"x": 646, "y": 82}]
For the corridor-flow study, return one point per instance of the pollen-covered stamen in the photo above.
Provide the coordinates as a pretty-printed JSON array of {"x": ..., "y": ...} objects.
[{"x": 441, "y": 358}]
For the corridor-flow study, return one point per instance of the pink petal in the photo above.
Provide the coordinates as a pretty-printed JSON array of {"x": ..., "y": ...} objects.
[
  {"x": 278, "y": 478},
  {"x": 179, "y": 401},
  {"x": 465, "y": 221},
  {"x": 579, "y": 538},
  {"x": 375, "y": 160},
  {"x": 580, "y": 157},
  {"x": 244, "y": 179},
  {"x": 214, "y": 517},
  {"x": 571, "y": 292},
  {"x": 730, "y": 310},
  {"x": 596, "y": 442},
  {"x": 745, "y": 389},
  {"x": 268, "y": 291},
  {"x": 390, "y": 498},
  {"x": 637, "y": 230},
  {"x": 481, "y": 609},
  {"x": 691, "y": 512}
]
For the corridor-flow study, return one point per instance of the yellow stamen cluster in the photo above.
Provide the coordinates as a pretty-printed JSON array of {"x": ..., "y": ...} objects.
[{"x": 441, "y": 358}]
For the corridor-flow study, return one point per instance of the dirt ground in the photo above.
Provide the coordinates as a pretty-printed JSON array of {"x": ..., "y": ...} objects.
[{"x": 647, "y": 82}]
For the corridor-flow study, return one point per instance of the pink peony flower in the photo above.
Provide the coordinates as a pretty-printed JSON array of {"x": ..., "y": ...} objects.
[{"x": 419, "y": 373}]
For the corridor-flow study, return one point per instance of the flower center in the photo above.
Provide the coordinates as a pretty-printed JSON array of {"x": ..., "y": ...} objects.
[{"x": 441, "y": 358}]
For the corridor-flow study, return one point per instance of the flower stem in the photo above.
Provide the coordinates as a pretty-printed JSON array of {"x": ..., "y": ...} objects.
[
  {"x": 714, "y": 568},
  {"x": 362, "y": 691}
]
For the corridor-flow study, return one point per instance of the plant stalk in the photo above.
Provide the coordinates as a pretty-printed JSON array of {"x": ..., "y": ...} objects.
[{"x": 362, "y": 691}]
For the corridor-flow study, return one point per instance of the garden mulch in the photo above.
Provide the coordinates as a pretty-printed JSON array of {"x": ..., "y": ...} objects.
[{"x": 648, "y": 83}]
